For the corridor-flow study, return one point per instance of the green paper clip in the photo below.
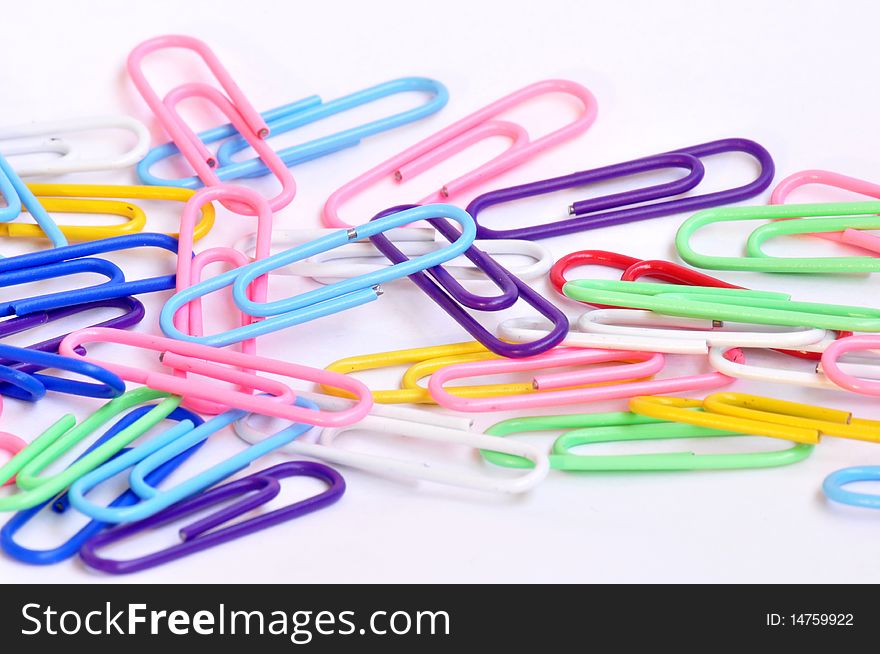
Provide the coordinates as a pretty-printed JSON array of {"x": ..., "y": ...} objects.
[
  {"x": 64, "y": 435},
  {"x": 724, "y": 304},
  {"x": 799, "y": 219},
  {"x": 624, "y": 426}
]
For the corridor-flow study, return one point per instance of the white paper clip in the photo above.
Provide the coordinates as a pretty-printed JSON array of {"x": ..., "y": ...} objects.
[
  {"x": 862, "y": 365},
  {"x": 420, "y": 425},
  {"x": 48, "y": 138},
  {"x": 646, "y": 331},
  {"x": 354, "y": 259}
]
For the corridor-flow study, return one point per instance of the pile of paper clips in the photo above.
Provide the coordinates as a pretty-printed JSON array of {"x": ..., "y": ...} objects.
[{"x": 614, "y": 350}]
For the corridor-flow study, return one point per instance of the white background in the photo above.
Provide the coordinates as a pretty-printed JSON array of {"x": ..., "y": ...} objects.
[{"x": 796, "y": 76}]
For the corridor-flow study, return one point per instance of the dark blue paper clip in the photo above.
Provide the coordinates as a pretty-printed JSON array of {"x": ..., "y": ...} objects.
[
  {"x": 34, "y": 266},
  {"x": 439, "y": 285},
  {"x": 298, "y": 114},
  {"x": 629, "y": 206},
  {"x": 19, "y": 366},
  {"x": 33, "y": 386},
  {"x": 92, "y": 265},
  {"x": 60, "y": 504}
]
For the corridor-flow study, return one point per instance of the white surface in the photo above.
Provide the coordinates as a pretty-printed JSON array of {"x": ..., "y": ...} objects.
[{"x": 795, "y": 76}]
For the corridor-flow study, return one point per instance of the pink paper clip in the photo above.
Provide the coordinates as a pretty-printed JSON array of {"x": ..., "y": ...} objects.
[
  {"x": 854, "y": 237},
  {"x": 545, "y": 385},
  {"x": 234, "y": 105},
  {"x": 203, "y": 360},
  {"x": 189, "y": 269},
  {"x": 456, "y": 137},
  {"x": 10, "y": 444}
]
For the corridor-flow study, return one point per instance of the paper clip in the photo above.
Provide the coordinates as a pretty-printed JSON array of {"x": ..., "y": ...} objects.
[
  {"x": 591, "y": 428},
  {"x": 299, "y": 114},
  {"x": 853, "y": 237},
  {"x": 339, "y": 296},
  {"x": 544, "y": 389},
  {"x": 149, "y": 456},
  {"x": 810, "y": 219},
  {"x": 204, "y": 360},
  {"x": 48, "y": 137},
  {"x": 416, "y": 394},
  {"x": 53, "y": 443},
  {"x": 19, "y": 197},
  {"x": 830, "y": 365},
  {"x": 833, "y": 486},
  {"x": 133, "y": 313},
  {"x": 12, "y": 445},
  {"x": 725, "y": 304},
  {"x": 208, "y": 532},
  {"x": 815, "y": 378},
  {"x": 646, "y": 331},
  {"x": 33, "y": 386},
  {"x": 72, "y": 546},
  {"x": 422, "y": 426},
  {"x": 234, "y": 105},
  {"x": 633, "y": 270},
  {"x": 89, "y": 199},
  {"x": 472, "y": 129},
  {"x": 362, "y": 256},
  {"x": 35, "y": 266},
  {"x": 629, "y": 206},
  {"x": 447, "y": 293},
  {"x": 189, "y": 268},
  {"x": 761, "y": 416}
]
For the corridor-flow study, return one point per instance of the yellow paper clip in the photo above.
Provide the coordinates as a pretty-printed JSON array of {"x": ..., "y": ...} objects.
[
  {"x": 94, "y": 199},
  {"x": 411, "y": 393},
  {"x": 761, "y": 416}
]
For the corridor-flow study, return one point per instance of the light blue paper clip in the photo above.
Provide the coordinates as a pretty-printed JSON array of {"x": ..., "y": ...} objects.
[
  {"x": 298, "y": 114},
  {"x": 835, "y": 482},
  {"x": 18, "y": 196},
  {"x": 323, "y": 301},
  {"x": 146, "y": 458}
]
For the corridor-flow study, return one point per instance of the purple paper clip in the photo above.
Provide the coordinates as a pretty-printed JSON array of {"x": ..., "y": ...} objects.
[
  {"x": 627, "y": 206},
  {"x": 254, "y": 490},
  {"x": 450, "y": 296},
  {"x": 133, "y": 314}
]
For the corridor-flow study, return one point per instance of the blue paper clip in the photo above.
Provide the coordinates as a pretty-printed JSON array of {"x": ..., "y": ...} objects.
[
  {"x": 33, "y": 386},
  {"x": 18, "y": 196},
  {"x": 47, "y": 263},
  {"x": 835, "y": 482},
  {"x": 298, "y": 114},
  {"x": 60, "y": 504},
  {"x": 148, "y": 457},
  {"x": 92, "y": 265},
  {"x": 324, "y": 301}
]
